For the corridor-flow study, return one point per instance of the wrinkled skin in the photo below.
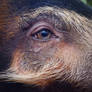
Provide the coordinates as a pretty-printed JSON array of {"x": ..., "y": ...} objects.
[{"x": 64, "y": 56}]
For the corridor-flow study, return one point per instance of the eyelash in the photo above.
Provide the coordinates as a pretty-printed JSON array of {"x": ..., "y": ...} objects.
[{"x": 43, "y": 34}]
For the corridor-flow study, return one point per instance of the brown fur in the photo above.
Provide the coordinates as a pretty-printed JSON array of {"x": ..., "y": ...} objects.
[{"x": 66, "y": 58}]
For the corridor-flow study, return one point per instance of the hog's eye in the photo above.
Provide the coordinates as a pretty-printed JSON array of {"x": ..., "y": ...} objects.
[
  {"x": 43, "y": 34},
  {"x": 42, "y": 31}
]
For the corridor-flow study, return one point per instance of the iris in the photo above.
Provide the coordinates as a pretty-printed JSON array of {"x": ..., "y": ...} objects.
[{"x": 43, "y": 34}]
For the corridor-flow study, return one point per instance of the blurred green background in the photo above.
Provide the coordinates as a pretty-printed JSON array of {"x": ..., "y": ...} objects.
[{"x": 89, "y": 2}]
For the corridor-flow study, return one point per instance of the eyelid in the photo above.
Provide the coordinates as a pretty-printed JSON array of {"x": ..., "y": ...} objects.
[{"x": 38, "y": 26}]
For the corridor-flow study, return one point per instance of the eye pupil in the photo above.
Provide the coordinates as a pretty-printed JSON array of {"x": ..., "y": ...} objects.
[{"x": 44, "y": 32}]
